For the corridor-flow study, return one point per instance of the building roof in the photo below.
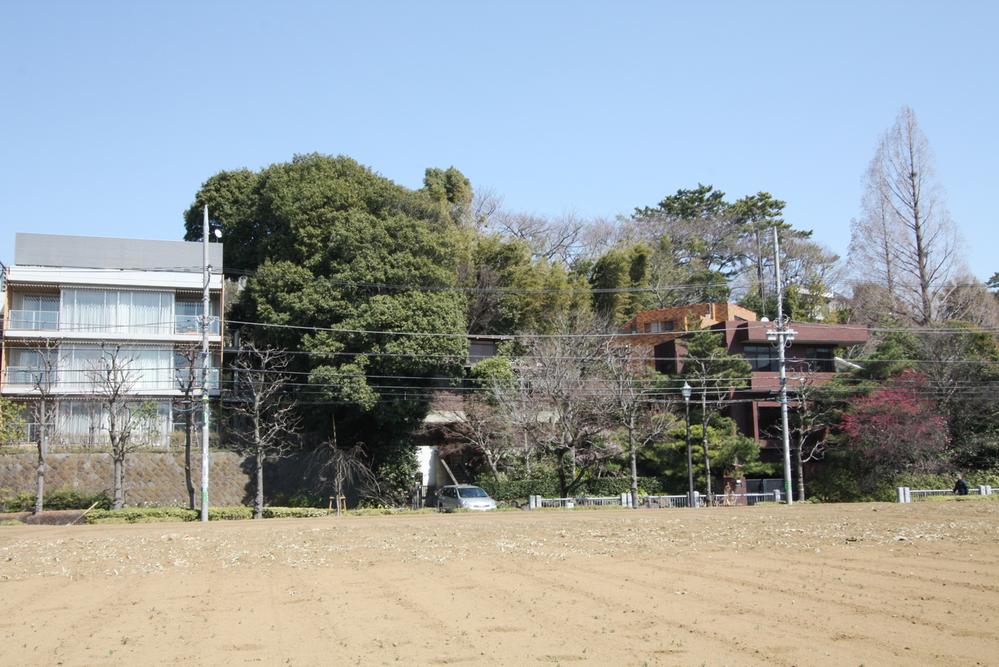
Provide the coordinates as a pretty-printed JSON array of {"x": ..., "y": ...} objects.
[{"x": 96, "y": 252}]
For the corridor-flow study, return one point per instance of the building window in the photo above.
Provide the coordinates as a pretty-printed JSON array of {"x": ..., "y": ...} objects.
[
  {"x": 760, "y": 357},
  {"x": 187, "y": 313},
  {"x": 35, "y": 312},
  {"x": 480, "y": 349},
  {"x": 117, "y": 311},
  {"x": 27, "y": 367},
  {"x": 149, "y": 369},
  {"x": 820, "y": 360}
]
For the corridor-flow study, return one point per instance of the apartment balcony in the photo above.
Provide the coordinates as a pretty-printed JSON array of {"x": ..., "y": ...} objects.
[
  {"x": 36, "y": 323},
  {"x": 21, "y": 379},
  {"x": 191, "y": 324},
  {"x": 33, "y": 320},
  {"x": 183, "y": 377},
  {"x": 28, "y": 378}
]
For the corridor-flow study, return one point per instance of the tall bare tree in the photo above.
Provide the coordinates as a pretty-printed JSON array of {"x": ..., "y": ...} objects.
[
  {"x": 43, "y": 379},
  {"x": 113, "y": 379},
  {"x": 565, "y": 376},
  {"x": 810, "y": 425},
  {"x": 643, "y": 414},
  {"x": 906, "y": 229},
  {"x": 483, "y": 429},
  {"x": 187, "y": 362},
  {"x": 264, "y": 410}
]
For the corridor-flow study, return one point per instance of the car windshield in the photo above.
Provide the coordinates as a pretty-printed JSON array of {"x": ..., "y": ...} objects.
[{"x": 472, "y": 492}]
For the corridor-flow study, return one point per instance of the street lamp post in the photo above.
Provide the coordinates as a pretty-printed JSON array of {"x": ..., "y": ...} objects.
[{"x": 686, "y": 391}]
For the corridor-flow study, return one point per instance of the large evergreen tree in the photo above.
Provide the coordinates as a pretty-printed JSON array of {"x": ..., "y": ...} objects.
[{"x": 337, "y": 256}]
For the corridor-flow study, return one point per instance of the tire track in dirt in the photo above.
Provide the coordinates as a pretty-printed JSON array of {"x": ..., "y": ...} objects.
[
  {"x": 912, "y": 567},
  {"x": 601, "y": 589},
  {"x": 819, "y": 609}
]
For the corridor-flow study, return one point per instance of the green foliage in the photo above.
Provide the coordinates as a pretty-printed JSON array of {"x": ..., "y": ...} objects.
[
  {"x": 520, "y": 489},
  {"x": 234, "y": 513},
  {"x": 56, "y": 499},
  {"x": 331, "y": 242},
  {"x": 623, "y": 266},
  {"x": 513, "y": 291},
  {"x": 12, "y": 422}
]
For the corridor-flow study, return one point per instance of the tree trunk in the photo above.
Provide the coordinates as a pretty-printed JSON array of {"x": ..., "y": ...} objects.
[
  {"x": 562, "y": 486},
  {"x": 527, "y": 456},
  {"x": 633, "y": 451},
  {"x": 43, "y": 447},
  {"x": 258, "y": 500},
  {"x": 704, "y": 443},
  {"x": 187, "y": 455},
  {"x": 800, "y": 468},
  {"x": 119, "y": 480}
]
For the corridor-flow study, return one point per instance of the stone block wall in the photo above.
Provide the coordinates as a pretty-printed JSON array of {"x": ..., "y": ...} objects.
[{"x": 151, "y": 478}]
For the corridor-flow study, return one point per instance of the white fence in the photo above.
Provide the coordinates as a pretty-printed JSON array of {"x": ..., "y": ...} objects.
[
  {"x": 904, "y": 494},
  {"x": 653, "y": 502}
]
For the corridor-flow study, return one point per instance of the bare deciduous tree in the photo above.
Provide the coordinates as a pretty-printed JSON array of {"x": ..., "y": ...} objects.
[
  {"x": 565, "y": 377},
  {"x": 264, "y": 410},
  {"x": 43, "y": 379},
  {"x": 631, "y": 386},
  {"x": 113, "y": 379},
  {"x": 483, "y": 429},
  {"x": 337, "y": 468},
  {"x": 187, "y": 360},
  {"x": 906, "y": 233},
  {"x": 809, "y": 425}
]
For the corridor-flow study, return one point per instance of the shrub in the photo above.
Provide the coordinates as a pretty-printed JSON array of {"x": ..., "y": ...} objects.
[
  {"x": 141, "y": 515},
  {"x": 520, "y": 489},
  {"x": 230, "y": 513},
  {"x": 58, "y": 499},
  {"x": 293, "y": 512}
]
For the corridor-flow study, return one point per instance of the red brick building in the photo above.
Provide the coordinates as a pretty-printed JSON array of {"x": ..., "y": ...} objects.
[{"x": 813, "y": 355}]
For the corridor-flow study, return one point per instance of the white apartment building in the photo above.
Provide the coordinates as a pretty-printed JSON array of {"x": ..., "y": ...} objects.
[{"x": 74, "y": 300}]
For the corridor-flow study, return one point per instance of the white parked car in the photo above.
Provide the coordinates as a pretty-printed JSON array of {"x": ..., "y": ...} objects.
[{"x": 463, "y": 497}]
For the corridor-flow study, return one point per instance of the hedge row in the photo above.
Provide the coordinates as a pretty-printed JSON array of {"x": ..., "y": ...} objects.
[
  {"x": 59, "y": 499},
  {"x": 520, "y": 489},
  {"x": 235, "y": 513}
]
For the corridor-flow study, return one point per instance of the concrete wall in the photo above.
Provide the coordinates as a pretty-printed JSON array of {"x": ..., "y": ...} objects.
[{"x": 150, "y": 477}]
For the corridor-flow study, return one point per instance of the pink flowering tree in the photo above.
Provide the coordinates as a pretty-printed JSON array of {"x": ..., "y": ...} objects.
[{"x": 897, "y": 428}]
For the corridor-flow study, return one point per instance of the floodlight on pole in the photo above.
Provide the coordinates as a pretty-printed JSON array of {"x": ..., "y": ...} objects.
[{"x": 686, "y": 392}]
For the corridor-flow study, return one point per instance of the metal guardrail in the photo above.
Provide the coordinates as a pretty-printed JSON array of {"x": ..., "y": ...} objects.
[
  {"x": 653, "y": 502},
  {"x": 905, "y": 494}
]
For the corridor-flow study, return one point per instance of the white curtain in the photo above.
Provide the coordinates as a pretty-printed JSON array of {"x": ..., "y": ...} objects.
[
  {"x": 84, "y": 423},
  {"x": 117, "y": 311},
  {"x": 144, "y": 368}
]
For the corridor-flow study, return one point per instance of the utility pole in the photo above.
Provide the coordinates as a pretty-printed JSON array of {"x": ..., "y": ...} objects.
[
  {"x": 783, "y": 337},
  {"x": 205, "y": 364}
]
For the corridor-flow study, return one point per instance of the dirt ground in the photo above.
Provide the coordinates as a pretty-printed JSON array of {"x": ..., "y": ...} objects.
[{"x": 871, "y": 584}]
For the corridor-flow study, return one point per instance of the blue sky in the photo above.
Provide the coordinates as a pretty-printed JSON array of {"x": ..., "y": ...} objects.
[{"x": 115, "y": 112}]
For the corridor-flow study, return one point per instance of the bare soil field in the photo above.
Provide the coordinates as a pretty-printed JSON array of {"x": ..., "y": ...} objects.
[{"x": 866, "y": 584}]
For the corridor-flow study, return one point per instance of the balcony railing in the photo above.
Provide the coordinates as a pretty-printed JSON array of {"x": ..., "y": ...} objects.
[
  {"x": 30, "y": 377},
  {"x": 183, "y": 375},
  {"x": 191, "y": 324},
  {"x": 48, "y": 320},
  {"x": 34, "y": 320}
]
